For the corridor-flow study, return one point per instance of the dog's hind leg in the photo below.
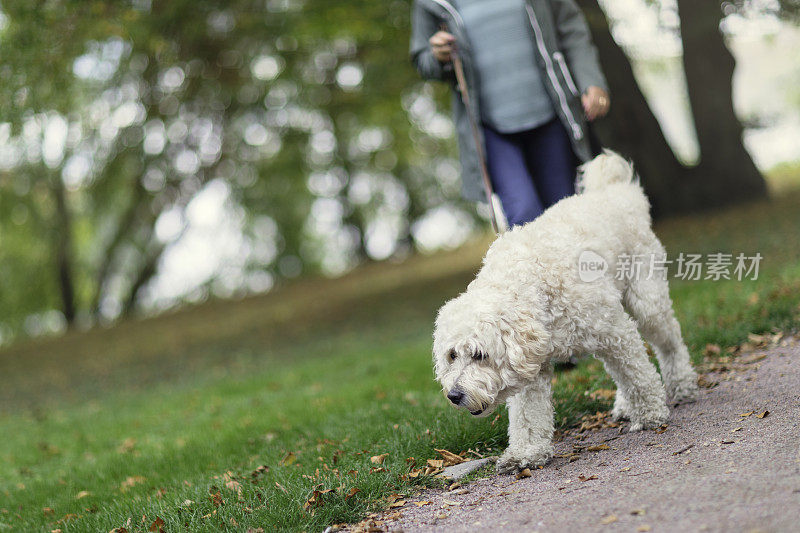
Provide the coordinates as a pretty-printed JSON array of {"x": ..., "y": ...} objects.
[
  {"x": 624, "y": 356},
  {"x": 649, "y": 302},
  {"x": 530, "y": 427}
]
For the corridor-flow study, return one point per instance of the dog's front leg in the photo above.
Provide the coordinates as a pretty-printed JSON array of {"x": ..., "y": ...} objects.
[{"x": 530, "y": 428}]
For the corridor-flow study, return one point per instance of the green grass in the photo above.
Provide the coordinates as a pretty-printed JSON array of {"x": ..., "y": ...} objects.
[{"x": 133, "y": 422}]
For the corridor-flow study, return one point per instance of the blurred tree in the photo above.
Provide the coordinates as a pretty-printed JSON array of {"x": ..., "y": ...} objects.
[
  {"x": 726, "y": 172},
  {"x": 631, "y": 128},
  {"x": 294, "y": 105}
]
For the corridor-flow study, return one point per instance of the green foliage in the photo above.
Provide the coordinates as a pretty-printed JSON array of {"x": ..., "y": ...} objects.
[{"x": 292, "y": 104}]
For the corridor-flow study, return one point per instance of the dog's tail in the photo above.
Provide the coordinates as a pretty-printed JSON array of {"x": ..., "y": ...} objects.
[{"x": 606, "y": 169}]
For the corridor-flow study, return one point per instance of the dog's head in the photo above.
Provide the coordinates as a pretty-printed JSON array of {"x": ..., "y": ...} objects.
[{"x": 485, "y": 350}]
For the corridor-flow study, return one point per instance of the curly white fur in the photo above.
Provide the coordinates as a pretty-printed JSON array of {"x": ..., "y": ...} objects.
[{"x": 528, "y": 307}]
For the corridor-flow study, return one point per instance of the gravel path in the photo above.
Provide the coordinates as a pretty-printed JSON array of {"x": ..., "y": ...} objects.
[{"x": 713, "y": 469}]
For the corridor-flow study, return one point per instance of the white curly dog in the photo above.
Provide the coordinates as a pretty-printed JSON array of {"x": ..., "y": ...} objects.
[{"x": 530, "y": 305}]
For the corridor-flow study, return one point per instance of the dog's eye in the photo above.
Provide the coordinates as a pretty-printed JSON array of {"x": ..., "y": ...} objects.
[
  {"x": 451, "y": 355},
  {"x": 479, "y": 356}
]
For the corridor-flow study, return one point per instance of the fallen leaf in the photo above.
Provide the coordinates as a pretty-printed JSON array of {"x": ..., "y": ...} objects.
[
  {"x": 626, "y": 469},
  {"x": 584, "y": 478},
  {"x": 420, "y": 504},
  {"x": 48, "y": 510},
  {"x": 378, "y": 459},
  {"x": 745, "y": 415},
  {"x": 281, "y": 487},
  {"x": 602, "y": 394},
  {"x": 216, "y": 497},
  {"x": 435, "y": 463},
  {"x": 610, "y": 519},
  {"x": 598, "y": 448},
  {"x": 752, "y": 359},
  {"x": 130, "y": 481},
  {"x": 451, "y": 503},
  {"x": 396, "y": 504},
  {"x": 288, "y": 459},
  {"x": 127, "y": 446},
  {"x": 706, "y": 383},
  {"x": 263, "y": 469},
  {"x": 525, "y": 472},
  {"x": 157, "y": 526},
  {"x": 734, "y": 430},
  {"x": 67, "y": 517},
  {"x": 351, "y": 493},
  {"x": 765, "y": 414},
  {"x": 712, "y": 349},
  {"x": 643, "y": 528},
  {"x": 83, "y": 494},
  {"x": 449, "y": 457}
]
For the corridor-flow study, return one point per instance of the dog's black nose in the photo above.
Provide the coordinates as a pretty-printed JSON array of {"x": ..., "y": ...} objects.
[{"x": 455, "y": 396}]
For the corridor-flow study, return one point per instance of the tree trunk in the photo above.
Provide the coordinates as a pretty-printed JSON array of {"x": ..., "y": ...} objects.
[
  {"x": 727, "y": 173},
  {"x": 631, "y": 128},
  {"x": 63, "y": 248}
]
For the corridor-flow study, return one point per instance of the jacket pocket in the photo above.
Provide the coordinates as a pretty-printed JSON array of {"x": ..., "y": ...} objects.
[{"x": 559, "y": 57}]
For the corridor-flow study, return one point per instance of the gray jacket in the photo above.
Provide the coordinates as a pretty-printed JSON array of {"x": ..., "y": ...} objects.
[{"x": 565, "y": 50}]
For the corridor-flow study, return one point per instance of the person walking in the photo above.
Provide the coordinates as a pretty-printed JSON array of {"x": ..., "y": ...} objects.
[{"x": 534, "y": 81}]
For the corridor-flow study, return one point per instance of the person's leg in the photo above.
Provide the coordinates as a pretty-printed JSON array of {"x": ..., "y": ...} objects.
[
  {"x": 510, "y": 177},
  {"x": 552, "y": 163}
]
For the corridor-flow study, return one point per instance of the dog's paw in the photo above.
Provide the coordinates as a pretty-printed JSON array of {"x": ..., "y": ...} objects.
[
  {"x": 529, "y": 456},
  {"x": 622, "y": 408},
  {"x": 684, "y": 391},
  {"x": 652, "y": 418}
]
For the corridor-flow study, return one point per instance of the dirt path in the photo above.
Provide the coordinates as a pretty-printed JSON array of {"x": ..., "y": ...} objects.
[{"x": 713, "y": 469}]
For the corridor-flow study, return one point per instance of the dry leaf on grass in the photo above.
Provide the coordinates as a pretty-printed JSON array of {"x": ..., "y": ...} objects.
[
  {"x": 131, "y": 481},
  {"x": 602, "y": 394},
  {"x": 378, "y": 459},
  {"x": 289, "y": 459},
  {"x": 83, "y": 494},
  {"x": 449, "y": 457},
  {"x": 610, "y": 519},
  {"x": 352, "y": 493},
  {"x": 157, "y": 526},
  {"x": 127, "y": 446},
  {"x": 711, "y": 349}
]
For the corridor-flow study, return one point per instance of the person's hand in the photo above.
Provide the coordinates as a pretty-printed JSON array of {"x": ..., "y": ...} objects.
[
  {"x": 595, "y": 103},
  {"x": 441, "y": 45}
]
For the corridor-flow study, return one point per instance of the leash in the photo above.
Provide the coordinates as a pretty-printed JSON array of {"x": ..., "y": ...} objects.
[{"x": 458, "y": 67}]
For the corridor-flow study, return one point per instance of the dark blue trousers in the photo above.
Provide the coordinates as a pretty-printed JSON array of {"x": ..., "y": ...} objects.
[{"x": 530, "y": 170}]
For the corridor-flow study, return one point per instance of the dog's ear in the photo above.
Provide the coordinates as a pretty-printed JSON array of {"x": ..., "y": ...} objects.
[{"x": 527, "y": 344}]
